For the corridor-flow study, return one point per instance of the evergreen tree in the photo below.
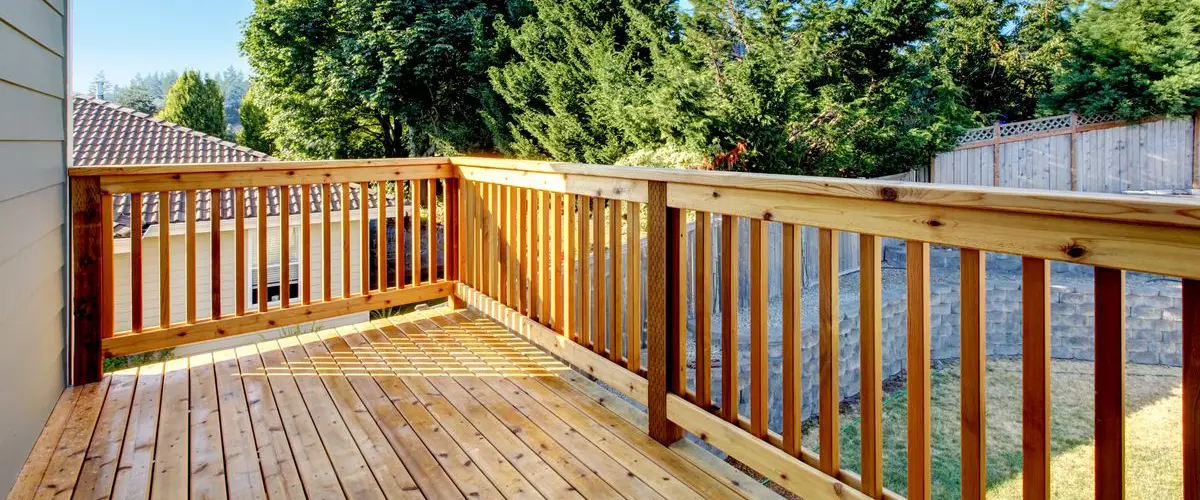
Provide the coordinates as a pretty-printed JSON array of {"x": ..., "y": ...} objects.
[
  {"x": 362, "y": 78},
  {"x": 234, "y": 86},
  {"x": 1132, "y": 58},
  {"x": 254, "y": 133},
  {"x": 580, "y": 84},
  {"x": 138, "y": 97},
  {"x": 195, "y": 102}
]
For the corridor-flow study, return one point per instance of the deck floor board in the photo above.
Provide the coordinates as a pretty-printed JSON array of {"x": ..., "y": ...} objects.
[{"x": 432, "y": 404}]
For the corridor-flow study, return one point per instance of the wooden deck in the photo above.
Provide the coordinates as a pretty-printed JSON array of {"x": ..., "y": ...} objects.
[{"x": 435, "y": 404}]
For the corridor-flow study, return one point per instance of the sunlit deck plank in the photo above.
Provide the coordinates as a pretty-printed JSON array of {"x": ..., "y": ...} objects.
[
  {"x": 207, "y": 463},
  {"x": 39, "y": 458},
  {"x": 134, "y": 470},
  {"x": 170, "y": 478},
  {"x": 282, "y": 468},
  {"x": 67, "y": 459},
  {"x": 242, "y": 472},
  {"x": 100, "y": 466}
]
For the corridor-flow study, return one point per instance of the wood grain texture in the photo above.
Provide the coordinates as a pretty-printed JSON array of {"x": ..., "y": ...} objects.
[
  {"x": 88, "y": 226},
  {"x": 214, "y": 253},
  {"x": 758, "y": 329},
  {"x": 661, "y": 245},
  {"x": 633, "y": 280},
  {"x": 431, "y": 240},
  {"x": 381, "y": 237},
  {"x": 919, "y": 398},
  {"x": 306, "y": 261},
  {"x": 616, "y": 309},
  {"x": 792, "y": 289},
  {"x": 137, "y": 301},
  {"x": 973, "y": 276},
  {"x": 364, "y": 238},
  {"x": 285, "y": 251},
  {"x": 189, "y": 217},
  {"x": 870, "y": 300},
  {"x": 1110, "y": 383},
  {"x": 558, "y": 294},
  {"x": 1035, "y": 386},
  {"x": 703, "y": 307},
  {"x": 586, "y": 304},
  {"x": 239, "y": 251},
  {"x": 729, "y": 322},
  {"x": 345, "y": 237},
  {"x": 828, "y": 335},
  {"x": 545, "y": 258},
  {"x": 599, "y": 297},
  {"x": 164, "y": 259},
  {"x": 326, "y": 244},
  {"x": 415, "y": 189},
  {"x": 262, "y": 250},
  {"x": 569, "y": 262},
  {"x": 217, "y": 176}
]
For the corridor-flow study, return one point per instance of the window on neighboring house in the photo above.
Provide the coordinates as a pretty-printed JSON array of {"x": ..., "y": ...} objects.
[{"x": 274, "y": 287}]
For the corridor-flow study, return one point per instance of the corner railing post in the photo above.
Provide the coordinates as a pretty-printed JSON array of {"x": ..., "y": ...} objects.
[
  {"x": 662, "y": 269},
  {"x": 454, "y": 235},
  {"x": 88, "y": 277}
]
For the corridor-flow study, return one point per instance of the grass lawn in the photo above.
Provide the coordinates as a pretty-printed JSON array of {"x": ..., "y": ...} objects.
[{"x": 1153, "y": 442}]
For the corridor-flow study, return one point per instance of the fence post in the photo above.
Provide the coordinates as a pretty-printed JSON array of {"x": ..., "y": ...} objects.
[
  {"x": 1074, "y": 175},
  {"x": 996, "y": 154},
  {"x": 89, "y": 218},
  {"x": 663, "y": 362}
]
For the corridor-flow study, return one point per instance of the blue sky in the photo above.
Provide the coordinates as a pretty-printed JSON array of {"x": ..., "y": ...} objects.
[{"x": 126, "y": 37}]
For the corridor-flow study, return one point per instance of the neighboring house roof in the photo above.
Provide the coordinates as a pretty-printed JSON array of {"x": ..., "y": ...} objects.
[{"x": 106, "y": 133}]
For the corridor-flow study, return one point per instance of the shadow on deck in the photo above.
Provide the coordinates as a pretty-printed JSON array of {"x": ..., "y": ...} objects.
[{"x": 434, "y": 404}]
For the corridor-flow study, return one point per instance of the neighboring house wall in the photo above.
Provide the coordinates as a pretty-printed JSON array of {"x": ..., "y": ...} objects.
[
  {"x": 33, "y": 125},
  {"x": 123, "y": 299}
]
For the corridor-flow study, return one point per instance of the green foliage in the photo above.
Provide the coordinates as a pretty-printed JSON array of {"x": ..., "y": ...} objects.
[
  {"x": 234, "y": 86},
  {"x": 360, "y": 78},
  {"x": 137, "y": 97},
  {"x": 1002, "y": 54},
  {"x": 254, "y": 134},
  {"x": 1133, "y": 58},
  {"x": 195, "y": 102}
]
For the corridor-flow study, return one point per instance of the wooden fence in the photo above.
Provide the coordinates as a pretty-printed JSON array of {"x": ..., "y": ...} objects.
[{"x": 1077, "y": 153}]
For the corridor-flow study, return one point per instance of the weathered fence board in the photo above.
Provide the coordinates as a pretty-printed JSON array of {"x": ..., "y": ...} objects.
[{"x": 1075, "y": 154}]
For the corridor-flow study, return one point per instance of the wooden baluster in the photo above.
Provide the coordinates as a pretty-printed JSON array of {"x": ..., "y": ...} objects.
[
  {"x": 415, "y": 218},
  {"x": 431, "y": 243},
  {"x": 326, "y": 245},
  {"x": 535, "y": 257},
  {"x": 599, "y": 298},
  {"x": 215, "y": 198},
  {"x": 703, "y": 308},
  {"x": 364, "y": 237},
  {"x": 758, "y": 329},
  {"x": 345, "y": 208},
  {"x": 485, "y": 249},
  {"x": 792, "y": 359},
  {"x": 569, "y": 260},
  {"x": 455, "y": 231},
  {"x": 523, "y": 252},
  {"x": 1035, "y": 386},
  {"x": 401, "y": 275},
  {"x": 919, "y": 478},
  {"x": 1110, "y": 383},
  {"x": 663, "y": 272},
  {"x": 381, "y": 236},
  {"x": 502, "y": 236},
  {"x": 1191, "y": 389},
  {"x": 633, "y": 281},
  {"x": 585, "y": 291},
  {"x": 135, "y": 259},
  {"x": 189, "y": 215},
  {"x": 262, "y": 249},
  {"x": 870, "y": 299},
  {"x": 91, "y": 225},
  {"x": 830, "y": 430},
  {"x": 614, "y": 282},
  {"x": 164, "y": 259},
  {"x": 306, "y": 281},
  {"x": 107, "y": 290},
  {"x": 285, "y": 254},
  {"x": 494, "y": 253},
  {"x": 729, "y": 322},
  {"x": 239, "y": 250},
  {"x": 973, "y": 276},
  {"x": 546, "y": 260}
]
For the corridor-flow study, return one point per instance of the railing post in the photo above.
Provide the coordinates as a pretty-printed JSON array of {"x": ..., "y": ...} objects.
[
  {"x": 454, "y": 234},
  {"x": 662, "y": 305},
  {"x": 87, "y": 275}
]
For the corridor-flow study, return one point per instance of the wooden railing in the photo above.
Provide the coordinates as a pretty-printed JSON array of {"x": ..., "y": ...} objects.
[
  {"x": 271, "y": 191},
  {"x": 555, "y": 251}
]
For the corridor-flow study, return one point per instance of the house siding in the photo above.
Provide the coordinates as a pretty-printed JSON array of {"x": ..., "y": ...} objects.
[{"x": 33, "y": 257}]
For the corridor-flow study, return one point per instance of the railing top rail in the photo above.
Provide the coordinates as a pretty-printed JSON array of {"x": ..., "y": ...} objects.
[
  {"x": 1143, "y": 209},
  {"x": 248, "y": 167}
]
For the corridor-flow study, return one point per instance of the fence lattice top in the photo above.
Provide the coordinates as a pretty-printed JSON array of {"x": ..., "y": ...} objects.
[{"x": 1028, "y": 127}]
